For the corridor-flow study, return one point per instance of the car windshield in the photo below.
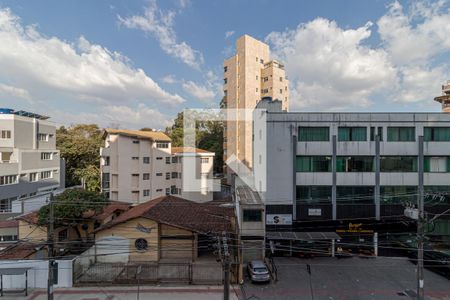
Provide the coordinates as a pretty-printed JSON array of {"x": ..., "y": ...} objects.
[{"x": 260, "y": 270}]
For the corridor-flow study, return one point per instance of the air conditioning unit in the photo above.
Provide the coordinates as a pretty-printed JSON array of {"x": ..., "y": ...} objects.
[{"x": 412, "y": 213}]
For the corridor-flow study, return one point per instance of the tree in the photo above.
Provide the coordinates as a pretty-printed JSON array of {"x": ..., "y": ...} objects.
[
  {"x": 80, "y": 147},
  {"x": 208, "y": 136},
  {"x": 89, "y": 178},
  {"x": 70, "y": 208}
]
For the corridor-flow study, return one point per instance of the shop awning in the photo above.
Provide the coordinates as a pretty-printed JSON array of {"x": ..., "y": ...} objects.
[{"x": 301, "y": 236}]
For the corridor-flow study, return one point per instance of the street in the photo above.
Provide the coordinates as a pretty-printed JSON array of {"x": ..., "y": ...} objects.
[{"x": 348, "y": 278}]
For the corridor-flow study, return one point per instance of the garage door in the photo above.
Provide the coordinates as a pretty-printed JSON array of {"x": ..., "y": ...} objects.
[{"x": 176, "y": 248}]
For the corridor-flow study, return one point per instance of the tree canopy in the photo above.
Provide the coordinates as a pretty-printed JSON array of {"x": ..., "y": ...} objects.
[
  {"x": 70, "y": 206},
  {"x": 80, "y": 147}
]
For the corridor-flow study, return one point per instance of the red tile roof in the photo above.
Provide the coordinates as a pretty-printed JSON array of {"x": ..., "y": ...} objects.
[
  {"x": 179, "y": 212},
  {"x": 19, "y": 250},
  {"x": 9, "y": 224},
  {"x": 189, "y": 150}
]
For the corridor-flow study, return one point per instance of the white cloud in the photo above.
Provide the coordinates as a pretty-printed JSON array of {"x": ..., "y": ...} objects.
[
  {"x": 329, "y": 67},
  {"x": 199, "y": 92},
  {"x": 120, "y": 116},
  {"x": 170, "y": 79},
  {"x": 13, "y": 91},
  {"x": 229, "y": 34},
  {"x": 160, "y": 24},
  {"x": 48, "y": 65}
]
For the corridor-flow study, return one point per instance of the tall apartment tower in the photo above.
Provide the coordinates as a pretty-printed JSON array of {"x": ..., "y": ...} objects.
[
  {"x": 445, "y": 98},
  {"x": 249, "y": 76}
]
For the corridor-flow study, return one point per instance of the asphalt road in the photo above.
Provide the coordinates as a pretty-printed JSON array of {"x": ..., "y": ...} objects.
[{"x": 347, "y": 278}]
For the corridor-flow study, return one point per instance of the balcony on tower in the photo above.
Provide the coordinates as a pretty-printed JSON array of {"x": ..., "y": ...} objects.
[{"x": 444, "y": 99}]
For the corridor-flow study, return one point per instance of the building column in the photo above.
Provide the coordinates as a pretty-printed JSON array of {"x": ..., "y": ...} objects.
[
  {"x": 377, "y": 177},
  {"x": 294, "y": 172},
  {"x": 375, "y": 243},
  {"x": 333, "y": 246},
  {"x": 420, "y": 175},
  {"x": 333, "y": 168}
]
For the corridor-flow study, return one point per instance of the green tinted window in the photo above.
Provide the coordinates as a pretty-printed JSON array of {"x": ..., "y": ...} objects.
[
  {"x": 401, "y": 134},
  {"x": 398, "y": 164},
  {"x": 355, "y": 164},
  {"x": 355, "y": 134},
  {"x": 313, "y": 164},
  {"x": 313, "y": 134},
  {"x": 398, "y": 194},
  {"x": 436, "y": 134},
  {"x": 314, "y": 194}
]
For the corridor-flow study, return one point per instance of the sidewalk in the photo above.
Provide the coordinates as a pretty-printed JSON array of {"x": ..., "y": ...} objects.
[{"x": 188, "y": 292}]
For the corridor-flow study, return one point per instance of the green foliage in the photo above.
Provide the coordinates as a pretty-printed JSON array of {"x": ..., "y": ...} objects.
[
  {"x": 208, "y": 136},
  {"x": 90, "y": 176},
  {"x": 70, "y": 206},
  {"x": 80, "y": 148}
]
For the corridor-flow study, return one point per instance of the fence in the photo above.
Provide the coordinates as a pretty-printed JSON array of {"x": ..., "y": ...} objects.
[{"x": 147, "y": 272}]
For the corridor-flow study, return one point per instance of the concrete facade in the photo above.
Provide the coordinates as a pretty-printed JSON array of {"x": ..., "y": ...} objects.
[
  {"x": 30, "y": 164},
  {"x": 138, "y": 166},
  {"x": 250, "y": 75},
  {"x": 285, "y": 151}
]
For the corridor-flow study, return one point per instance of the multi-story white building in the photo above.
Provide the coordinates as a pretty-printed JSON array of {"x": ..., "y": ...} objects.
[
  {"x": 250, "y": 75},
  {"x": 138, "y": 166},
  {"x": 29, "y": 162},
  {"x": 349, "y": 167}
]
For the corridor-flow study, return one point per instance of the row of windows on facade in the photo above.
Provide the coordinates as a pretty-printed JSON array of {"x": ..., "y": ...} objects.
[
  {"x": 439, "y": 164},
  {"x": 359, "y": 134},
  {"x": 32, "y": 177},
  {"x": 146, "y": 160},
  {"x": 43, "y": 137},
  {"x": 135, "y": 177},
  {"x": 366, "y": 194},
  {"x": 173, "y": 190}
]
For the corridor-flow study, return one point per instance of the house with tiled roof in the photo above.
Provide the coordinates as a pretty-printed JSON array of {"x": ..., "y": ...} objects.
[
  {"x": 138, "y": 166},
  {"x": 163, "y": 229}
]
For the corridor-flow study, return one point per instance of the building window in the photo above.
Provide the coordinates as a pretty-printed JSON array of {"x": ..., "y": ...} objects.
[
  {"x": 355, "y": 164},
  {"x": 162, "y": 145},
  {"x": 256, "y": 89},
  {"x": 252, "y": 215},
  {"x": 352, "y": 134},
  {"x": 46, "y": 174},
  {"x": 257, "y": 78},
  {"x": 436, "y": 164},
  {"x": 106, "y": 161},
  {"x": 8, "y": 179},
  {"x": 261, "y": 60},
  {"x": 135, "y": 142},
  {"x": 141, "y": 244},
  {"x": 374, "y": 133},
  {"x": 33, "y": 177},
  {"x": 173, "y": 190},
  {"x": 281, "y": 91},
  {"x": 398, "y": 164},
  {"x": 398, "y": 194},
  {"x": 62, "y": 235},
  {"x": 225, "y": 81},
  {"x": 313, "y": 194},
  {"x": 174, "y": 175},
  {"x": 436, "y": 134},
  {"x": 265, "y": 79},
  {"x": 135, "y": 158},
  {"x": 167, "y": 191},
  {"x": 146, "y": 193},
  {"x": 158, "y": 190},
  {"x": 146, "y": 176},
  {"x": 6, "y": 134},
  {"x": 401, "y": 134},
  {"x": 6, "y": 204},
  {"x": 204, "y": 160},
  {"x": 46, "y": 155},
  {"x": 167, "y": 175},
  {"x": 105, "y": 180},
  {"x": 313, "y": 164},
  {"x": 225, "y": 69},
  {"x": 355, "y": 195},
  {"x": 313, "y": 134},
  {"x": 174, "y": 159},
  {"x": 168, "y": 160},
  {"x": 159, "y": 158},
  {"x": 281, "y": 79},
  {"x": 146, "y": 160},
  {"x": 43, "y": 137},
  {"x": 158, "y": 174}
]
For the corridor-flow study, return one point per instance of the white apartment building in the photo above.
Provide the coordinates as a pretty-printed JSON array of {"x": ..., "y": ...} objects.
[
  {"x": 250, "y": 75},
  {"x": 138, "y": 166},
  {"x": 29, "y": 162}
]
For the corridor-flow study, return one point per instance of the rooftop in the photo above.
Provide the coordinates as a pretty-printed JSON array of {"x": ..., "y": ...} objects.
[
  {"x": 179, "y": 212},
  {"x": 9, "y": 111},
  {"x": 176, "y": 150},
  {"x": 151, "y": 135}
]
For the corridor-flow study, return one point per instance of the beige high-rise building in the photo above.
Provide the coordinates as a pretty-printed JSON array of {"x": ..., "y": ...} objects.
[
  {"x": 250, "y": 75},
  {"x": 445, "y": 98}
]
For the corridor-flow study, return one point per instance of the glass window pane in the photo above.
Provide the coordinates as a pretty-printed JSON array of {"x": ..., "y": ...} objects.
[
  {"x": 314, "y": 194},
  {"x": 313, "y": 134},
  {"x": 398, "y": 164}
]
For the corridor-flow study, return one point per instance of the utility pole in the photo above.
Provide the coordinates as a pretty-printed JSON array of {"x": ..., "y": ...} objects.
[
  {"x": 50, "y": 250},
  {"x": 420, "y": 226},
  {"x": 226, "y": 267}
]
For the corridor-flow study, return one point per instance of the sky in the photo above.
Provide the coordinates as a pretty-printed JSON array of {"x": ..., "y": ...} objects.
[{"x": 134, "y": 64}]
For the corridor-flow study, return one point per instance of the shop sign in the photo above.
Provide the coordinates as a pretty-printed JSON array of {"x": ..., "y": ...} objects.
[
  {"x": 281, "y": 219},
  {"x": 355, "y": 228}
]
